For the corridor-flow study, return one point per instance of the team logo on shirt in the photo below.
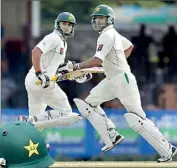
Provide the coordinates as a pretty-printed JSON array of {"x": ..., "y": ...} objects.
[
  {"x": 61, "y": 51},
  {"x": 100, "y": 46}
]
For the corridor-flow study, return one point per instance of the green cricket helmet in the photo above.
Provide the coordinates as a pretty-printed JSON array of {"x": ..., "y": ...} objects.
[
  {"x": 65, "y": 17},
  {"x": 23, "y": 146},
  {"x": 102, "y": 10}
]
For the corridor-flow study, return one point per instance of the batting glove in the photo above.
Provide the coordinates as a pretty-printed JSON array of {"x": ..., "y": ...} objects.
[
  {"x": 84, "y": 78},
  {"x": 43, "y": 78},
  {"x": 68, "y": 67},
  {"x": 63, "y": 69}
]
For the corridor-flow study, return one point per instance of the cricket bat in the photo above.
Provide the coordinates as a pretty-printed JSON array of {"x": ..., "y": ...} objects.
[{"x": 73, "y": 74}]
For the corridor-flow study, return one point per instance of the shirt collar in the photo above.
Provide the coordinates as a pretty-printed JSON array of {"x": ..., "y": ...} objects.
[
  {"x": 106, "y": 28},
  {"x": 57, "y": 32}
]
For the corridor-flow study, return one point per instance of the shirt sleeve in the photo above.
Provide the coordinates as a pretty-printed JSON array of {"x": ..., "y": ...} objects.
[
  {"x": 104, "y": 45},
  {"x": 126, "y": 43},
  {"x": 48, "y": 43}
]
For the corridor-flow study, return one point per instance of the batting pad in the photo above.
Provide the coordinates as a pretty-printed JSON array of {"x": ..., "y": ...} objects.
[
  {"x": 147, "y": 129},
  {"x": 97, "y": 120},
  {"x": 60, "y": 121}
]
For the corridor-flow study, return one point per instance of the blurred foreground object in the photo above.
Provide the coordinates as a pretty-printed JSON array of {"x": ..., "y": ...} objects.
[{"x": 21, "y": 145}]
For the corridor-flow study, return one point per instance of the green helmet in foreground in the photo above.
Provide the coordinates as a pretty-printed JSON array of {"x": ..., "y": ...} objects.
[
  {"x": 103, "y": 10},
  {"x": 65, "y": 17},
  {"x": 23, "y": 146}
]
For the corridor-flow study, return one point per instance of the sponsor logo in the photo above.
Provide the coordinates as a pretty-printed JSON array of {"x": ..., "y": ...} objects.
[
  {"x": 61, "y": 51},
  {"x": 100, "y": 46}
]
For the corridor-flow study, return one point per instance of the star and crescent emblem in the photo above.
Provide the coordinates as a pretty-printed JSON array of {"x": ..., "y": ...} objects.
[
  {"x": 97, "y": 9},
  {"x": 70, "y": 17},
  {"x": 32, "y": 148}
]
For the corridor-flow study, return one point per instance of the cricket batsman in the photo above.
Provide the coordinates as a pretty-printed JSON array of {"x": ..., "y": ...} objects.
[
  {"x": 111, "y": 52},
  {"x": 47, "y": 56}
]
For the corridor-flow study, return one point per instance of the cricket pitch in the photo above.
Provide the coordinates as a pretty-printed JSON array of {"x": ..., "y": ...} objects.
[{"x": 114, "y": 164}]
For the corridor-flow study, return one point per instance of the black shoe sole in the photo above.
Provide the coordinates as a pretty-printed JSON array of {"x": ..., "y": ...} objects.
[{"x": 116, "y": 142}]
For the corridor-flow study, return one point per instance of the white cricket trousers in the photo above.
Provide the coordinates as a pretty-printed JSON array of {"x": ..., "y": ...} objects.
[
  {"x": 39, "y": 98},
  {"x": 124, "y": 87}
]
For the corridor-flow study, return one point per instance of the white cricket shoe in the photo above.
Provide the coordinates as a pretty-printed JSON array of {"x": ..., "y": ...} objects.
[
  {"x": 168, "y": 159},
  {"x": 27, "y": 119},
  {"x": 48, "y": 119},
  {"x": 116, "y": 139}
]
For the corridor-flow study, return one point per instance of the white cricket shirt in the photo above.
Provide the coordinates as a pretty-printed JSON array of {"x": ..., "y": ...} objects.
[
  {"x": 110, "y": 49},
  {"x": 53, "y": 48}
]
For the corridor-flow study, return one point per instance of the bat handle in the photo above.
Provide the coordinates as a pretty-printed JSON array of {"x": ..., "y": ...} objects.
[{"x": 52, "y": 78}]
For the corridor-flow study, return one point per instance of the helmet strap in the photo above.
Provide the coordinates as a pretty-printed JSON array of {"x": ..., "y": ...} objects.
[{"x": 110, "y": 20}]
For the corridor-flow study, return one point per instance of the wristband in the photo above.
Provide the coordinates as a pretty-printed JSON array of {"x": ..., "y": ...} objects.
[{"x": 37, "y": 73}]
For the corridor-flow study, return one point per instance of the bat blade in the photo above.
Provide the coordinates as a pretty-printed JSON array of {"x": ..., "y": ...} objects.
[
  {"x": 79, "y": 73},
  {"x": 73, "y": 74}
]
